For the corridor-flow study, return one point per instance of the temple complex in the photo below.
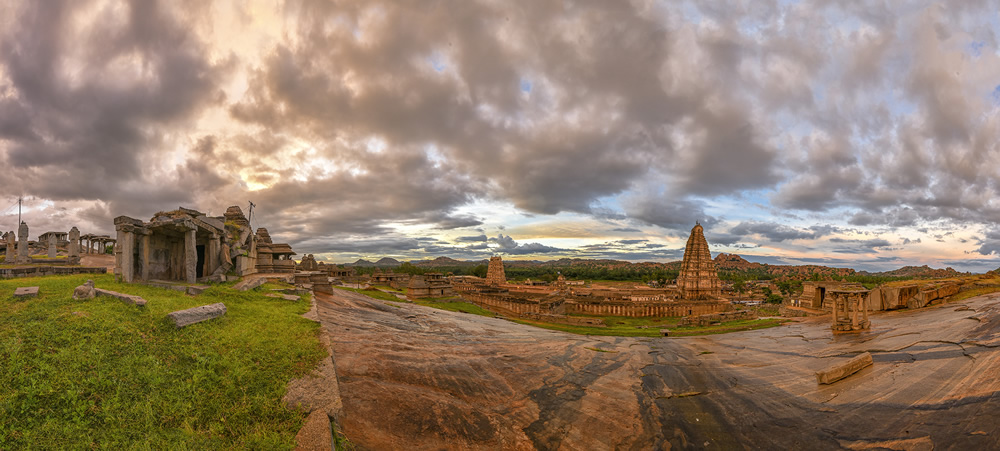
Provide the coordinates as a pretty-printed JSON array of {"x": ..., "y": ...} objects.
[
  {"x": 494, "y": 273},
  {"x": 698, "y": 278}
]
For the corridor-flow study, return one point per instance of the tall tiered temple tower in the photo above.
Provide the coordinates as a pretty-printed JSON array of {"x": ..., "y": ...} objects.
[
  {"x": 495, "y": 274},
  {"x": 698, "y": 278}
]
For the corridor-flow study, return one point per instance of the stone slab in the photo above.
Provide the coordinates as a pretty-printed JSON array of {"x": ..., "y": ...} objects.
[
  {"x": 26, "y": 292},
  {"x": 249, "y": 283},
  {"x": 287, "y": 297},
  {"x": 131, "y": 299},
  {"x": 187, "y": 317},
  {"x": 838, "y": 372},
  {"x": 195, "y": 290}
]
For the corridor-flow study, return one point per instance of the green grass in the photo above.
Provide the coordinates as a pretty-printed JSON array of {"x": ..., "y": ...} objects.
[
  {"x": 100, "y": 373},
  {"x": 961, "y": 296},
  {"x": 463, "y": 307},
  {"x": 381, "y": 295}
]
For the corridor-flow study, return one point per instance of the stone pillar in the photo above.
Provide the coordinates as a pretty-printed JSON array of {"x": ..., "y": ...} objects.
[
  {"x": 52, "y": 246},
  {"x": 211, "y": 254},
  {"x": 74, "y": 242},
  {"x": 125, "y": 254},
  {"x": 11, "y": 249},
  {"x": 144, "y": 254},
  {"x": 22, "y": 244},
  {"x": 190, "y": 255}
]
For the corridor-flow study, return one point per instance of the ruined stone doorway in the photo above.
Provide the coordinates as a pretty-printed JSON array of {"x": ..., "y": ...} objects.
[{"x": 200, "y": 266}]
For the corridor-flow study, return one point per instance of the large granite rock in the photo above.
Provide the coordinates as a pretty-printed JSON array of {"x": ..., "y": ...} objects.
[{"x": 182, "y": 318}]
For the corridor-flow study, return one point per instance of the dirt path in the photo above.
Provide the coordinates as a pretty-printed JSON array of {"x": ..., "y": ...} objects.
[{"x": 419, "y": 378}]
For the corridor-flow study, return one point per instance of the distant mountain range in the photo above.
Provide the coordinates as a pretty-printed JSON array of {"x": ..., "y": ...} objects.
[{"x": 723, "y": 261}]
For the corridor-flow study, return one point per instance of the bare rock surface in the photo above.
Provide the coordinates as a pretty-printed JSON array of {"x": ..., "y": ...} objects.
[{"x": 418, "y": 378}]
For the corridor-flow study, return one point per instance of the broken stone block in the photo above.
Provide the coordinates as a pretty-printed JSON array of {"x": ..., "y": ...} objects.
[
  {"x": 135, "y": 300},
  {"x": 194, "y": 315},
  {"x": 85, "y": 291},
  {"x": 25, "y": 292},
  {"x": 838, "y": 372},
  {"x": 287, "y": 297},
  {"x": 249, "y": 283}
]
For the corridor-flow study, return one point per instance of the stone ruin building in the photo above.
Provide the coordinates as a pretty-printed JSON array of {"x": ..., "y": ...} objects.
[
  {"x": 495, "y": 274},
  {"x": 698, "y": 278},
  {"x": 20, "y": 249},
  {"x": 429, "y": 285},
  {"x": 274, "y": 258},
  {"x": 850, "y": 309},
  {"x": 187, "y": 245}
]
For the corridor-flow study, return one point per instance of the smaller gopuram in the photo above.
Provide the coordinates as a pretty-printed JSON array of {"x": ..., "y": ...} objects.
[
  {"x": 495, "y": 274},
  {"x": 698, "y": 278},
  {"x": 273, "y": 257}
]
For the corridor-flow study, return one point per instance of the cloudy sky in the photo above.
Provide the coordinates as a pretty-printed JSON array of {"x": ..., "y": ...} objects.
[{"x": 847, "y": 133}]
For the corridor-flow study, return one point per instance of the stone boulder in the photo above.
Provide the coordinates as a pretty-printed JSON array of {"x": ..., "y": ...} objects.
[{"x": 85, "y": 291}]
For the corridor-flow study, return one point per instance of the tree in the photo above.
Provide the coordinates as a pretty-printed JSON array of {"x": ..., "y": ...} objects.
[{"x": 479, "y": 271}]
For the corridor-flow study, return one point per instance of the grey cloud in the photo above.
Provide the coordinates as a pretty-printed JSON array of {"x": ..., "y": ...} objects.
[
  {"x": 507, "y": 245},
  {"x": 471, "y": 239},
  {"x": 779, "y": 232},
  {"x": 85, "y": 130}
]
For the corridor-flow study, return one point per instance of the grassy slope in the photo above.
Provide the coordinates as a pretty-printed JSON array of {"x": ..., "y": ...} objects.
[{"x": 102, "y": 373}]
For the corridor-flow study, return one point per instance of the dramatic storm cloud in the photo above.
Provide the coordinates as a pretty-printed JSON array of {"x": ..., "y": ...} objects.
[{"x": 794, "y": 130}]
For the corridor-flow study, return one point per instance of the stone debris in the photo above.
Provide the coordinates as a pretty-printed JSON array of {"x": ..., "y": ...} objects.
[
  {"x": 131, "y": 299},
  {"x": 840, "y": 371},
  {"x": 26, "y": 292},
  {"x": 85, "y": 291},
  {"x": 287, "y": 297},
  {"x": 194, "y": 315}
]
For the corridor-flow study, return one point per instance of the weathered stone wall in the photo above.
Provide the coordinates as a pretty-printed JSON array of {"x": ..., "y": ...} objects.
[
  {"x": 563, "y": 319},
  {"x": 38, "y": 271},
  {"x": 646, "y": 309},
  {"x": 709, "y": 319},
  {"x": 166, "y": 257},
  {"x": 507, "y": 305}
]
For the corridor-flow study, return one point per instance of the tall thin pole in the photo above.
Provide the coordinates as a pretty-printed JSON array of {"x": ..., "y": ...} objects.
[
  {"x": 250, "y": 216},
  {"x": 19, "y": 211}
]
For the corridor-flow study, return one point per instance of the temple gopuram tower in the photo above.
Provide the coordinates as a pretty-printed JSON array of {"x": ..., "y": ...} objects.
[
  {"x": 698, "y": 278},
  {"x": 494, "y": 273}
]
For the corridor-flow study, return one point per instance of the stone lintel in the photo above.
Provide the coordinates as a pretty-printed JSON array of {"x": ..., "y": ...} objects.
[{"x": 121, "y": 220}]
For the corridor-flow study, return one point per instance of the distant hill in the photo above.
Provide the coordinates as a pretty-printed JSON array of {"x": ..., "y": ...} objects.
[
  {"x": 723, "y": 262},
  {"x": 917, "y": 272},
  {"x": 446, "y": 262},
  {"x": 733, "y": 262}
]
